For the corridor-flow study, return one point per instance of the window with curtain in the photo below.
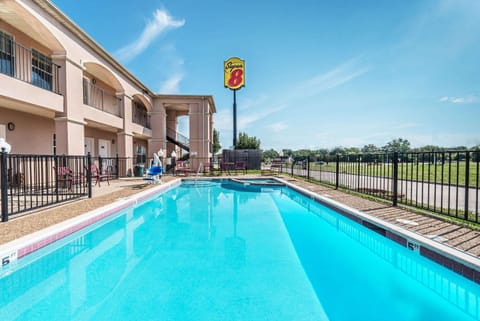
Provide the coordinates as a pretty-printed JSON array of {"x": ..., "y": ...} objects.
[
  {"x": 42, "y": 75},
  {"x": 7, "y": 54}
]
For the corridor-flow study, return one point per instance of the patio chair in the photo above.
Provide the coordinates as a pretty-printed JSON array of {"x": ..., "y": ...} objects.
[
  {"x": 240, "y": 166},
  {"x": 66, "y": 177},
  {"x": 274, "y": 168},
  {"x": 182, "y": 167},
  {"x": 98, "y": 175},
  {"x": 154, "y": 174}
]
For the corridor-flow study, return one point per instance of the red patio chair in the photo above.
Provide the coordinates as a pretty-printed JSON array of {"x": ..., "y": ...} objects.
[
  {"x": 99, "y": 175},
  {"x": 240, "y": 165}
]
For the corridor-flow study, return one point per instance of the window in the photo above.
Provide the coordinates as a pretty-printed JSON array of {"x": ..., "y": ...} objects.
[
  {"x": 3, "y": 131},
  {"x": 141, "y": 154},
  {"x": 86, "y": 91},
  {"x": 140, "y": 115},
  {"x": 42, "y": 75},
  {"x": 7, "y": 55}
]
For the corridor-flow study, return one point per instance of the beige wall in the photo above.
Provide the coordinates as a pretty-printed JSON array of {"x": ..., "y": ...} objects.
[
  {"x": 41, "y": 113},
  {"x": 97, "y": 134},
  {"x": 32, "y": 134}
]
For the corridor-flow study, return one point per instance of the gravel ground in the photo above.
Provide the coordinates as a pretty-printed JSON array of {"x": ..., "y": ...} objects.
[{"x": 32, "y": 222}]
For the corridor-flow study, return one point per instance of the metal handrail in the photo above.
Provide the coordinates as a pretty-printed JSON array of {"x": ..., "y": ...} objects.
[{"x": 28, "y": 65}]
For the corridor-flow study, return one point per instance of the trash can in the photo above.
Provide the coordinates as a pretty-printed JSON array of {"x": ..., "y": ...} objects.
[{"x": 138, "y": 171}]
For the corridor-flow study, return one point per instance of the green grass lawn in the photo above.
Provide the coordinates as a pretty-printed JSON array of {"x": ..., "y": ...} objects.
[{"x": 428, "y": 172}]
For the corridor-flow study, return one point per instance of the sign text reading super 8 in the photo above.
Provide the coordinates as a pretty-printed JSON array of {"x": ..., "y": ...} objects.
[{"x": 234, "y": 73}]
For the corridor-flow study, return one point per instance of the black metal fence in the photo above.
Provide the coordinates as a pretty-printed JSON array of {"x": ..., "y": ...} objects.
[
  {"x": 445, "y": 182},
  {"x": 33, "y": 181}
]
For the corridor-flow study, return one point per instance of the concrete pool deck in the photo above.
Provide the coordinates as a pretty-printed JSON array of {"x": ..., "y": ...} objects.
[{"x": 454, "y": 235}]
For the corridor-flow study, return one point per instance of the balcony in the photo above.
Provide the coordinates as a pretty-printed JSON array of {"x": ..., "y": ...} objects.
[
  {"x": 100, "y": 99},
  {"x": 140, "y": 115},
  {"x": 27, "y": 65}
]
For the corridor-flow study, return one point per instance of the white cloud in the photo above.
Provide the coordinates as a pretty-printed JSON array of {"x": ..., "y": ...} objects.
[
  {"x": 161, "y": 23},
  {"x": 171, "y": 85},
  {"x": 460, "y": 100},
  {"x": 333, "y": 78},
  {"x": 259, "y": 108},
  {"x": 278, "y": 126},
  {"x": 224, "y": 118}
]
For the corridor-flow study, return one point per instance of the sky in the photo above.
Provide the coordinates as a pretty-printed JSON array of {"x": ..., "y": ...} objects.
[{"x": 318, "y": 74}]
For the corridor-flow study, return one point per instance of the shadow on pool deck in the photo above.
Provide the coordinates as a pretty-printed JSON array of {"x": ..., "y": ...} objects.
[{"x": 454, "y": 235}]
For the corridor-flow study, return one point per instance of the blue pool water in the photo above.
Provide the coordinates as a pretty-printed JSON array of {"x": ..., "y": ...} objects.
[{"x": 223, "y": 251}]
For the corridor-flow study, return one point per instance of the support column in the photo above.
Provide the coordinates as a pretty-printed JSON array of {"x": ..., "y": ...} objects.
[
  {"x": 158, "y": 141},
  {"x": 70, "y": 136},
  {"x": 70, "y": 124},
  {"x": 200, "y": 137},
  {"x": 125, "y": 153},
  {"x": 172, "y": 125}
]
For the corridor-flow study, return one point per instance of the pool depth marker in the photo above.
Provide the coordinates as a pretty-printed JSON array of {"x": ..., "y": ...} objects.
[{"x": 234, "y": 79}]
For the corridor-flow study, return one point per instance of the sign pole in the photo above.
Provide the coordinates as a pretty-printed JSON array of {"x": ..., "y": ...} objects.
[
  {"x": 234, "y": 79},
  {"x": 234, "y": 119}
]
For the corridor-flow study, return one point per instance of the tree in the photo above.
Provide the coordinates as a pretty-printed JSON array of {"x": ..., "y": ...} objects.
[
  {"x": 397, "y": 145},
  {"x": 475, "y": 154},
  {"x": 270, "y": 154},
  {"x": 337, "y": 150},
  {"x": 370, "y": 149},
  {"x": 246, "y": 142},
  {"x": 216, "y": 141},
  {"x": 287, "y": 152}
]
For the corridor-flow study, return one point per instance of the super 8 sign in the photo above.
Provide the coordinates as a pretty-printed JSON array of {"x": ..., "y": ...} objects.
[{"x": 234, "y": 73}]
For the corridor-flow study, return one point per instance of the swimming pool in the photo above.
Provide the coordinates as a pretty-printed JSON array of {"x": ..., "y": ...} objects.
[{"x": 214, "y": 251}]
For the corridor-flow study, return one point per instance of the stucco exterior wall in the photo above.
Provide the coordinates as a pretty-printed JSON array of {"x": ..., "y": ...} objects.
[
  {"x": 41, "y": 26},
  {"x": 32, "y": 134}
]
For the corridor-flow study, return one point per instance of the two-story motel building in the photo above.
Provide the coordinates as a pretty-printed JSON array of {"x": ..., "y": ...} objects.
[{"x": 61, "y": 92}]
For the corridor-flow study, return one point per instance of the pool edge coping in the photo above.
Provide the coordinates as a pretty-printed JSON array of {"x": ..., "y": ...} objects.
[
  {"x": 456, "y": 260},
  {"x": 25, "y": 245}
]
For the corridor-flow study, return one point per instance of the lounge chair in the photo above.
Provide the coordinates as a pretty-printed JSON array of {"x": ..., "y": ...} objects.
[{"x": 154, "y": 174}]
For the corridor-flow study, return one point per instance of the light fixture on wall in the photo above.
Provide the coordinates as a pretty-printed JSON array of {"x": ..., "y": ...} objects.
[
  {"x": 113, "y": 141},
  {"x": 11, "y": 126},
  {"x": 94, "y": 81},
  {"x": 4, "y": 146}
]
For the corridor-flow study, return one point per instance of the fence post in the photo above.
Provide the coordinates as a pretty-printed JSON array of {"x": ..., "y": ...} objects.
[
  {"x": 359, "y": 160},
  {"x": 89, "y": 174},
  {"x": 467, "y": 182},
  {"x": 4, "y": 187},
  {"x": 308, "y": 168},
  {"x": 100, "y": 164},
  {"x": 337, "y": 171},
  {"x": 117, "y": 168},
  {"x": 293, "y": 163},
  {"x": 55, "y": 162},
  {"x": 395, "y": 179}
]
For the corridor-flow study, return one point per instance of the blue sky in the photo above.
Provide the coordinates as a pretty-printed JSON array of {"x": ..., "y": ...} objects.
[{"x": 319, "y": 74}]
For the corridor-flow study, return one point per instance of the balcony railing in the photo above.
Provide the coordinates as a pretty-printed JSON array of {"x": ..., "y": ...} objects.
[
  {"x": 140, "y": 116},
  {"x": 98, "y": 98},
  {"x": 27, "y": 65}
]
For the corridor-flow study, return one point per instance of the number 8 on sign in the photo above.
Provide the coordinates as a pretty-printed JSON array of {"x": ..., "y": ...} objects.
[
  {"x": 236, "y": 78},
  {"x": 234, "y": 71}
]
